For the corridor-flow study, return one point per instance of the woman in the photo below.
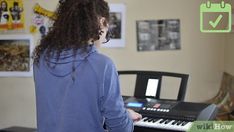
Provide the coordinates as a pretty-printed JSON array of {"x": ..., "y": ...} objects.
[
  {"x": 77, "y": 88},
  {"x": 4, "y": 15}
]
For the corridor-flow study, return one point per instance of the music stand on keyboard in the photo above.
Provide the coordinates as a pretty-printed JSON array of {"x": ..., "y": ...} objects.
[{"x": 155, "y": 77}]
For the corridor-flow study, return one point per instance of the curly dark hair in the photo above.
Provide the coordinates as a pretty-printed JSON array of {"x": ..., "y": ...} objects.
[{"x": 77, "y": 21}]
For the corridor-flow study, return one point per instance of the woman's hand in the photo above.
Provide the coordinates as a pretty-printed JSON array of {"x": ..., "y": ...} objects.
[{"x": 134, "y": 115}]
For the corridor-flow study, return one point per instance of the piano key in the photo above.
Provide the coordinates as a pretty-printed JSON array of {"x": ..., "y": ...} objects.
[
  {"x": 162, "y": 120},
  {"x": 151, "y": 119},
  {"x": 167, "y": 121},
  {"x": 145, "y": 119},
  {"x": 184, "y": 123},
  {"x": 174, "y": 122},
  {"x": 155, "y": 120},
  {"x": 179, "y": 122},
  {"x": 168, "y": 126},
  {"x": 180, "y": 127}
]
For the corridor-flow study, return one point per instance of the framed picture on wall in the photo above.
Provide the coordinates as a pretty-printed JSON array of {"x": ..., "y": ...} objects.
[
  {"x": 158, "y": 35},
  {"x": 117, "y": 26},
  {"x": 15, "y": 55}
]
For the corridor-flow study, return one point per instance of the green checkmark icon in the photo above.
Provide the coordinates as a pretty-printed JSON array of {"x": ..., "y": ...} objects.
[{"x": 216, "y": 22}]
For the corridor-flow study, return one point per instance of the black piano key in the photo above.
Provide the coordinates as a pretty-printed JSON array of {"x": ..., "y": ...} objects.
[
  {"x": 151, "y": 119},
  {"x": 154, "y": 120},
  {"x": 178, "y": 123},
  {"x": 167, "y": 121},
  {"x": 162, "y": 120},
  {"x": 173, "y": 123},
  {"x": 184, "y": 123},
  {"x": 145, "y": 119}
]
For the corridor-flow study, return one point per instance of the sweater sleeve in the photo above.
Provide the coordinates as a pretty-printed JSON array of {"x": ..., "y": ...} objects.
[{"x": 116, "y": 116}]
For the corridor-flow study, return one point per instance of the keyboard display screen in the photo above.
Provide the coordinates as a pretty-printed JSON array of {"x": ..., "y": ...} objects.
[{"x": 135, "y": 104}]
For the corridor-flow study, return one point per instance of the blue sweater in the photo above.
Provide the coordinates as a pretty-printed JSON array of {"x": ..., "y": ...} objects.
[{"x": 79, "y": 94}]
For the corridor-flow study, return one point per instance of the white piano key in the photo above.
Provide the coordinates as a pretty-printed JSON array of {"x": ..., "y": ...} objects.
[{"x": 158, "y": 125}]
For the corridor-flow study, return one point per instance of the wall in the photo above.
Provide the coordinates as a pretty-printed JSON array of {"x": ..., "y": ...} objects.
[
  {"x": 201, "y": 56},
  {"x": 229, "y": 54},
  {"x": 17, "y": 97}
]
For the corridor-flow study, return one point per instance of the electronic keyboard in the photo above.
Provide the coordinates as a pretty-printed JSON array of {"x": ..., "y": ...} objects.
[{"x": 169, "y": 114}]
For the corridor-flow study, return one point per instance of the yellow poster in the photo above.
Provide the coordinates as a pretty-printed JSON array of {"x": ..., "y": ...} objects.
[{"x": 11, "y": 15}]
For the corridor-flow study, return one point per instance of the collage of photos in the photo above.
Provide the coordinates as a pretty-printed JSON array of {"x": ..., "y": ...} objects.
[{"x": 15, "y": 56}]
